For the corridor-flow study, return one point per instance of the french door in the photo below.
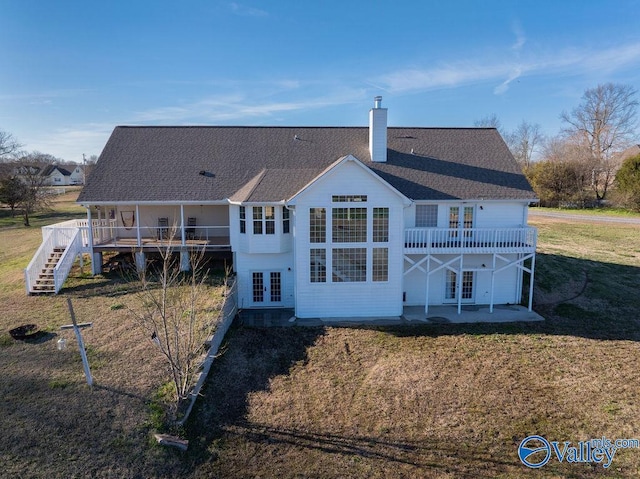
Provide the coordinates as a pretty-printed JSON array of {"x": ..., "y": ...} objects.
[
  {"x": 461, "y": 218},
  {"x": 267, "y": 288},
  {"x": 451, "y": 287}
]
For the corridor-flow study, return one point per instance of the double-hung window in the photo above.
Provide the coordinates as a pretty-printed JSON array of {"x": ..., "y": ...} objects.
[{"x": 264, "y": 220}]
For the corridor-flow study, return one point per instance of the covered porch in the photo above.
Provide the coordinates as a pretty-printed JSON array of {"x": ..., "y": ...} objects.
[{"x": 124, "y": 227}]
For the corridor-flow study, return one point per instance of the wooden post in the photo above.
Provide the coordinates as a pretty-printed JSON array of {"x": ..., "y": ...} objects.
[{"x": 83, "y": 353}]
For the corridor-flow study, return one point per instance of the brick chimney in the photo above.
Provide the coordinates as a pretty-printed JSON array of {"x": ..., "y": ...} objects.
[{"x": 378, "y": 132}]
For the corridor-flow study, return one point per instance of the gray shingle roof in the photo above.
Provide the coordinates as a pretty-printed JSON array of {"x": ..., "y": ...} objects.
[{"x": 273, "y": 163}]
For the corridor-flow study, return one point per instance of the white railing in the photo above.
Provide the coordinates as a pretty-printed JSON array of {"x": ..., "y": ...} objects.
[
  {"x": 37, "y": 263},
  {"x": 103, "y": 230},
  {"x": 470, "y": 240},
  {"x": 54, "y": 236},
  {"x": 119, "y": 236},
  {"x": 63, "y": 267}
]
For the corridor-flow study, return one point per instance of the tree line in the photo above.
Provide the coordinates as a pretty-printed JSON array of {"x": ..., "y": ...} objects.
[
  {"x": 23, "y": 186},
  {"x": 593, "y": 160}
]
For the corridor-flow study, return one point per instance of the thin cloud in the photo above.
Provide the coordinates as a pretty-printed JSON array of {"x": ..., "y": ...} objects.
[
  {"x": 246, "y": 11},
  {"x": 240, "y": 107},
  {"x": 562, "y": 62},
  {"x": 520, "y": 37},
  {"x": 504, "y": 86}
]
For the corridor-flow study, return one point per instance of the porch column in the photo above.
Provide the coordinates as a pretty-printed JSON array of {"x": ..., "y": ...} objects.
[
  {"x": 426, "y": 299},
  {"x": 138, "y": 236},
  {"x": 459, "y": 285},
  {"x": 493, "y": 281},
  {"x": 531, "y": 278},
  {"x": 185, "y": 263},
  {"x": 141, "y": 262},
  {"x": 94, "y": 269},
  {"x": 182, "y": 232}
]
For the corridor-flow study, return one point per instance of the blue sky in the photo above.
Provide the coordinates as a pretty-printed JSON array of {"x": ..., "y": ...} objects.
[{"x": 72, "y": 70}]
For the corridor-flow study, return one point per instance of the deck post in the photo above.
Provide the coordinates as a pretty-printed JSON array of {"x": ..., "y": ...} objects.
[
  {"x": 493, "y": 281},
  {"x": 185, "y": 263},
  {"x": 95, "y": 268},
  {"x": 138, "y": 235},
  {"x": 531, "y": 277},
  {"x": 426, "y": 299},
  {"x": 459, "y": 285},
  {"x": 141, "y": 262},
  {"x": 183, "y": 237}
]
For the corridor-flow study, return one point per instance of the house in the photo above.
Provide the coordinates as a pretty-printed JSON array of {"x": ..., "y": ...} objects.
[
  {"x": 330, "y": 221},
  {"x": 56, "y": 175},
  {"x": 63, "y": 175}
]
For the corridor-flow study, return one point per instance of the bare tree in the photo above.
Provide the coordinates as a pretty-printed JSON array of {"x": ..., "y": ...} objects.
[
  {"x": 178, "y": 310},
  {"x": 524, "y": 142},
  {"x": 604, "y": 123},
  {"x": 489, "y": 121},
  {"x": 9, "y": 146}
]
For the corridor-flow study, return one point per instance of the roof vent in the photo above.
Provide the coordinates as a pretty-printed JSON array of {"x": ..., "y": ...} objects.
[{"x": 208, "y": 174}]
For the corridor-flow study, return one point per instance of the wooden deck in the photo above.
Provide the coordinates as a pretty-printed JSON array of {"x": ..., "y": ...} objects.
[{"x": 218, "y": 243}]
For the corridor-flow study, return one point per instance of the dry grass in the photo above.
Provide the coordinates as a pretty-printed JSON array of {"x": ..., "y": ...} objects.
[
  {"x": 441, "y": 400},
  {"x": 52, "y": 424},
  {"x": 434, "y": 401}
]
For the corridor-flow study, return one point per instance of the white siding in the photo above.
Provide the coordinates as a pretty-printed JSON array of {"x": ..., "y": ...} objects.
[
  {"x": 348, "y": 299},
  {"x": 506, "y": 282},
  {"x": 246, "y": 264},
  {"x": 501, "y": 215},
  {"x": 261, "y": 243}
]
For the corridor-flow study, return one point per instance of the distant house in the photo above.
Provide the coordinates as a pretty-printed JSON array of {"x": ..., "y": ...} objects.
[
  {"x": 329, "y": 221},
  {"x": 63, "y": 175},
  {"x": 56, "y": 175}
]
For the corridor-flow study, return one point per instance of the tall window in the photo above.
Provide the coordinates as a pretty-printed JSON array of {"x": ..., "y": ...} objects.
[
  {"x": 257, "y": 220},
  {"x": 380, "y": 225},
  {"x": 318, "y": 265},
  {"x": 243, "y": 220},
  {"x": 286, "y": 227},
  {"x": 426, "y": 216},
  {"x": 270, "y": 219},
  {"x": 380, "y": 264},
  {"x": 349, "y": 264},
  {"x": 349, "y": 225},
  {"x": 317, "y": 225}
]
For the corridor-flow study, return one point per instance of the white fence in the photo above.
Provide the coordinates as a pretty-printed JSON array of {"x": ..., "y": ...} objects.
[{"x": 470, "y": 240}]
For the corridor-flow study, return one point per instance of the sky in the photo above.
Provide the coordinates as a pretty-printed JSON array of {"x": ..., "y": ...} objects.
[{"x": 70, "y": 71}]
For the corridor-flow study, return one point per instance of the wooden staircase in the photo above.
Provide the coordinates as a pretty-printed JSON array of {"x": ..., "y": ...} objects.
[{"x": 45, "y": 282}]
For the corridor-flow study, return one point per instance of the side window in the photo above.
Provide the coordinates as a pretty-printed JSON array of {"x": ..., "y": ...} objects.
[
  {"x": 286, "y": 227},
  {"x": 243, "y": 220}
]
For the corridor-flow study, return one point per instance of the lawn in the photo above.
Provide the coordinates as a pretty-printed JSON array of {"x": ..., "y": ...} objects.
[{"x": 439, "y": 400}]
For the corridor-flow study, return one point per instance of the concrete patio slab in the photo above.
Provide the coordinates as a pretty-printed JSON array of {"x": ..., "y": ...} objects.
[{"x": 412, "y": 315}]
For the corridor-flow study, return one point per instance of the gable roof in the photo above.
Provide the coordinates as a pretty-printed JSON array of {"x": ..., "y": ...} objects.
[
  {"x": 49, "y": 169},
  {"x": 210, "y": 164}
]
